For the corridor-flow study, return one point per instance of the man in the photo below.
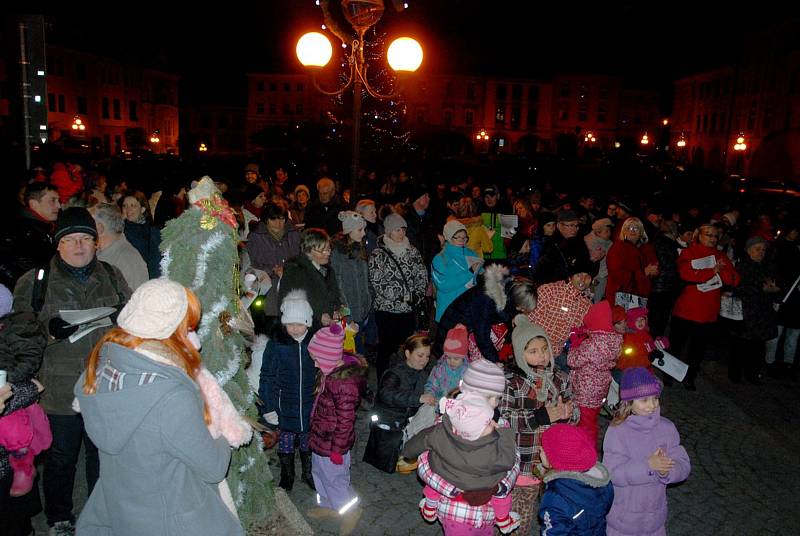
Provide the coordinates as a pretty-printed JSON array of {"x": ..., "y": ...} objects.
[
  {"x": 114, "y": 248},
  {"x": 421, "y": 230},
  {"x": 490, "y": 214},
  {"x": 324, "y": 212},
  {"x": 29, "y": 243},
  {"x": 252, "y": 175},
  {"x": 624, "y": 211},
  {"x": 564, "y": 251},
  {"x": 73, "y": 279}
]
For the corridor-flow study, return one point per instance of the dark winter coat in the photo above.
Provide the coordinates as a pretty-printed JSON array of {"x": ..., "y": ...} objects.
[
  {"x": 324, "y": 216},
  {"x": 399, "y": 281},
  {"x": 399, "y": 392},
  {"x": 667, "y": 280},
  {"x": 559, "y": 256},
  {"x": 422, "y": 234},
  {"x": 333, "y": 418},
  {"x": 322, "y": 290},
  {"x": 26, "y": 245},
  {"x": 760, "y": 322},
  {"x": 146, "y": 238},
  {"x": 64, "y": 361},
  {"x": 352, "y": 276},
  {"x": 22, "y": 342},
  {"x": 266, "y": 253},
  {"x": 787, "y": 259},
  {"x": 478, "y": 309},
  {"x": 288, "y": 376},
  {"x": 576, "y": 504}
]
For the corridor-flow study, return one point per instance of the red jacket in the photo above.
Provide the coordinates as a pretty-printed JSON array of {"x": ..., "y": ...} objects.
[
  {"x": 334, "y": 414},
  {"x": 701, "y": 307},
  {"x": 626, "y": 264}
]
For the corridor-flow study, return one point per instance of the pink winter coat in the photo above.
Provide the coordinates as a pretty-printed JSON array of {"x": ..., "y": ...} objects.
[{"x": 592, "y": 355}]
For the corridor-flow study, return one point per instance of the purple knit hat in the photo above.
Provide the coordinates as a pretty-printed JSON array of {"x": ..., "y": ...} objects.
[
  {"x": 638, "y": 382},
  {"x": 483, "y": 377},
  {"x": 326, "y": 347}
]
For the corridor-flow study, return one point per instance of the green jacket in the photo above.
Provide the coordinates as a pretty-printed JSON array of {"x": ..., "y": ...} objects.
[
  {"x": 64, "y": 361},
  {"x": 492, "y": 221}
]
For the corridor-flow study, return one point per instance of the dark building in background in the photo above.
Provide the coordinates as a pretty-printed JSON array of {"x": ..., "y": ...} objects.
[{"x": 213, "y": 130}]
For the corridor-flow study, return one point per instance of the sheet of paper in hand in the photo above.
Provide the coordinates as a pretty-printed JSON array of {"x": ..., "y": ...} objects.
[
  {"x": 508, "y": 225},
  {"x": 704, "y": 263},
  {"x": 85, "y": 329},
  {"x": 672, "y": 366},
  {"x": 713, "y": 283},
  {"x": 75, "y": 317}
]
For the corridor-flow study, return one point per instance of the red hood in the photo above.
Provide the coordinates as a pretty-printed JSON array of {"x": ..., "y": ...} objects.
[{"x": 598, "y": 317}]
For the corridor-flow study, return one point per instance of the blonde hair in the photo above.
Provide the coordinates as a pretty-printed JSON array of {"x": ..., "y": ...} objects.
[
  {"x": 624, "y": 410},
  {"x": 637, "y": 223}
]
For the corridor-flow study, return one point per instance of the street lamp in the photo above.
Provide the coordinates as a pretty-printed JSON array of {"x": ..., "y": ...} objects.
[
  {"x": 78, "y": 124},
  {"x": 682, "y": 141},
  {"x": 314, "y": 51},
  {"x": 645, "y": 140},
  {"x": 740, "y": 144},
  {"x": 203, "y": 148},
  {"x": 154, "y": 137}
]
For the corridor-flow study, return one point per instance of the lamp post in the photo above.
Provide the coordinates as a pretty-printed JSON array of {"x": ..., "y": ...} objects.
[
  {"x": 740, "y": 147},
  {"x": 314, "y": 51}
]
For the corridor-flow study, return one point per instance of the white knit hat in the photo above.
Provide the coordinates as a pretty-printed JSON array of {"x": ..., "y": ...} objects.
[
  {"x": 296, "y": 309},
  {"x": 451, "y": 228},
  {"x": 351, "y": 221},
  {"x": 155, "y": 310}
]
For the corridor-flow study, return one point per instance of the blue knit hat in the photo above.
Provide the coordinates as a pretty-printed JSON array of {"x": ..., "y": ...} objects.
[{"x": 638, "y": 382}]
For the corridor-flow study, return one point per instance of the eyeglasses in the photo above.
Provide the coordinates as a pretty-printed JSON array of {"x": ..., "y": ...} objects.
[
  {"x": 74, "y": 240},
  {"x": 323, "y": 251}
]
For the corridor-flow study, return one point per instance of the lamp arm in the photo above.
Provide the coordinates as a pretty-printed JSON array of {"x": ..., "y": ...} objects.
[
  {"x": 341, "y": 89},
  {"x": 362, "y": 74}
]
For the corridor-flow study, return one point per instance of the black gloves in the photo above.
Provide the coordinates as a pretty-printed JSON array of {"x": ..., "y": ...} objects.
[{"x": 60, "y": 328}]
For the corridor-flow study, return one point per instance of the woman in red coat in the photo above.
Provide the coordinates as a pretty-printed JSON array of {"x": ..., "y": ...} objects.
[
  {"x": 705, "y": 270},
  {"x": 631, "y": 262}
]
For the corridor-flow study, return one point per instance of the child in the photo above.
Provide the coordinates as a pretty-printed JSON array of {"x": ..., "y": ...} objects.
[
  {"x": 333, "y": 418},
  {"x": 447, "y": 373},
  {"x": 468, "y": 450},
  {"x": 286, "y": 389},
  {"x": 536, "y": 395},
  {"x": 578, "y": 492},
  {"x": 24, "y": 433},
  {"x": 638, "y": 347},
  {"x": 619, "y": 318},
  {"x": 643, "y": 453},
  {"x": 592, "y": 355}
]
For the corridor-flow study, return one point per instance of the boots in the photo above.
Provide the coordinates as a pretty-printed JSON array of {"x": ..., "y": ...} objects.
[
  {"x": 305, "y": 461},
  {"x": 287, "y": 471}
]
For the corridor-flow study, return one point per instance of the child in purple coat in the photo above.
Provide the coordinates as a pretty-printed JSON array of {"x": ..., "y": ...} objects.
[{"x": 642, "y": 451}]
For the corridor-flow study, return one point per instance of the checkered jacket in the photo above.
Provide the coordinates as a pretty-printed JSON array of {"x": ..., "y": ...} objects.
[
  {"x": 528, "y": 417},
  {"x": 456, "y": 509},
  {"x": 560, "y": 307}
]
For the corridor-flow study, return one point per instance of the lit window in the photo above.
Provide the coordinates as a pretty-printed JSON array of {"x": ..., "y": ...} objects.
[
  {"x": 37, "y": 98},
  {"x": 40, "y": 72}
]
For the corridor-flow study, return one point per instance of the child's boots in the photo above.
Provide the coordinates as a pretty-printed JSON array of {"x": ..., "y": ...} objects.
[
  {"x": 287, "y": 471},
  {"x": 305, "y": 461}
]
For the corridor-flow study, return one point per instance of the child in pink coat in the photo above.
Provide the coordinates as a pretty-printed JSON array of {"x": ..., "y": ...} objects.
[{"x": 592, "y": 354}]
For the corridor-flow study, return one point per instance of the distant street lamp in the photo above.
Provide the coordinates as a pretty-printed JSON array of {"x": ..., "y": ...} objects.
[
  {"x": 78, "y": 124},
  {"x": 740, "y": 144},
  {"x": 154, "y": 137},
  {"x": 665, "y": 122},
  {"x": 202, "y": 148},
  {"x": 682, "y": 141},
  {"x": 314, "y": 51},
  {"x": 645, "y": 140}
]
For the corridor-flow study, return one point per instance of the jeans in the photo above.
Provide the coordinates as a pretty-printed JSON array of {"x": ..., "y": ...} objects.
[
  {"x": 60, "y": 463},
  {"x": 789, "y": 345}
]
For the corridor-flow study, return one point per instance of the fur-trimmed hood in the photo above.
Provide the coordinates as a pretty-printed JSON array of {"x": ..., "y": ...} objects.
[
  {"x": 495, "y": 279},
  {"x": 596, "y": 477}
]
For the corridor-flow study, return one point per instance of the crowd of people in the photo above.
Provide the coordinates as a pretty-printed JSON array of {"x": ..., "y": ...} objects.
[{"x": 498, "y": 323}]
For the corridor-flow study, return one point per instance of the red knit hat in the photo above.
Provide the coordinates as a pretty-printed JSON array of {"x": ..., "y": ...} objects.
[
  {"x": 635, "y": 314},
  {"x": 617, "y": 314},
  {"x": 455, "y": 345},
  {"x": 326, "y": 347},
  {"x": 568, "y": 448}
]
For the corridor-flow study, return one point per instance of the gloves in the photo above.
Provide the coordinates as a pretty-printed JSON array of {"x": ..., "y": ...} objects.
[
  {"x": 271, "y": 418},
  {"x": 60, "y": 328},
  {"x": 656, "y": 356},
  {"x": 336, "y": 458}
]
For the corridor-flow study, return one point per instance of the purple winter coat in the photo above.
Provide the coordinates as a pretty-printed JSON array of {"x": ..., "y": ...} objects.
[
  {"x": 333, "y": 416},
  {"x": 640, "y": 494}
]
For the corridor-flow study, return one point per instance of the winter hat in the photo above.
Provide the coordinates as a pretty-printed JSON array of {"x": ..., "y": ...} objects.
[
  {"x": 302, "y": 188},
  {"x": 393, "y": 222},
  {"x": 638, "y": 382},
  {"x": 7, "y": 300},
  {"x": 351, "y": 221},
  {"x": 635, "y": 314},
  {"x": 483, "y": 377},
  {"x": 546, "y": 217},
  {"x": 253, "y": 168},
  {"x": 602, "y": 222},
  {"x": 251, "y": 192},
  {"x": 568, "y": 448},
  {"x": 326, "y": 347},
  {"x": 451, "y": 228},
  {"x": 155, "y": 310},
  {"x": 753, "y": 241},
  {"x": 417, "y": 191},
  {"x": 618, "y": 314},
  {"x": 730, "y": 218},
  {"x": 455, "y": 345},
  {"x": 296, "y": 309},
  {"x": 582, "y": 266},
  {"x": 74, "y": 220},
  {"x": 524, "y": 331},
  {"x": 598, "y": 317},
  {"x": 567, "y": 215},
  {"x": 469, "y": 414}
]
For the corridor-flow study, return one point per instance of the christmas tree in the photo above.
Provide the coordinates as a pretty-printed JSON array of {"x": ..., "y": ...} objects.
[{"x": 199, "y": 252}]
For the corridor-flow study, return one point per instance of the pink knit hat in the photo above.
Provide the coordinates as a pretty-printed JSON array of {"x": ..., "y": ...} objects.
[
  {"x": 568, "y": 448},
  {"x": 483, "y": 377},
  {"x": 455, "y": 345},
  {"x": 469, "y": 414},
  {"x": 326, "y": 347}
]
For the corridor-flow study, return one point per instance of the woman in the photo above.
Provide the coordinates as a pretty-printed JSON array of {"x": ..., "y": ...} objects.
[
  {"x": 270, "y": 244},
  {"x": 705, "y": 270},
  {"x": 311, "y": 271},
  {"x": 598, "y": 242},
  {"x": 455, "y": 268},
  {"x": 254, "y": 200},
  {"x": 402, "y": 387},
  {"x": 757, "y": 290},
  {"x": 399, "y": 279},
  {"x": 300, "y": 204},
  {"x": 631, "y": 262},
  {"x": 349, "y": 261},
  {"x": 367, "y": 209},
  {"x": 160, "y": 466},
  {"x": 494, "y": 300},
  {"x": 140, "y": 231}
]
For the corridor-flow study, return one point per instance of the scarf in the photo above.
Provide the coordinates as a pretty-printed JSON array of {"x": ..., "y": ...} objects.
[
  {"x": 398, "y": 249},
  {"x": 276, "y": 236},
  {"x": 82, "y": 274}
]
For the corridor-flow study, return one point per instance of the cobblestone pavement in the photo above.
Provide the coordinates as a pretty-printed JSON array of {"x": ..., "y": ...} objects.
[{"x": 743, "y": 441}]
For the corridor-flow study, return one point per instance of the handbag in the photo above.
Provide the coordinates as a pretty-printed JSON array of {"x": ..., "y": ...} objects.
[{"x": 383, "y": 446}]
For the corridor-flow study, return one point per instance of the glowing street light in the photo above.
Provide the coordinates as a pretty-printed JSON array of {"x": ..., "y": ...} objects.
[
  {"x": 645, "y": 140},
  {"x": 202, "y": 148},
  {"x": 154, "y": 137},
  {"x": 665, "y": 122},
  {"x": 740, "y": 144},
  {"x": 77, "y": 124},
  {"x": 482, "y": 135},
  {"x": 681, "y": 141}
]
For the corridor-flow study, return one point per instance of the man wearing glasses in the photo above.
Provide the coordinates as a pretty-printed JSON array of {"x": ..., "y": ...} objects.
[
  {"x": 563, "y": 251},
  {"x": 73, "y": 280}
]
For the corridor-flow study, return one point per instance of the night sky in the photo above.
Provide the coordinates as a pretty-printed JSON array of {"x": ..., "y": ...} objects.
[{"x": 649, "y": 44}]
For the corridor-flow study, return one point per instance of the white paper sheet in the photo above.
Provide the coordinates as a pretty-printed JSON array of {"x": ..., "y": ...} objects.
[
  {"x": 704, "y": 263},
  {"x": 508, "y": 225},
  {"x": 713, "y": 283},
  {"x": 85, "y": 329},
  {"x": 76, "y": 317},
  {"x": 672, "y": 366}
]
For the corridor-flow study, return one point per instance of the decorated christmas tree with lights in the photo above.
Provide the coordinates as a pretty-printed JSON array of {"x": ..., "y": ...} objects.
[{"x": 199, "y": 252}]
